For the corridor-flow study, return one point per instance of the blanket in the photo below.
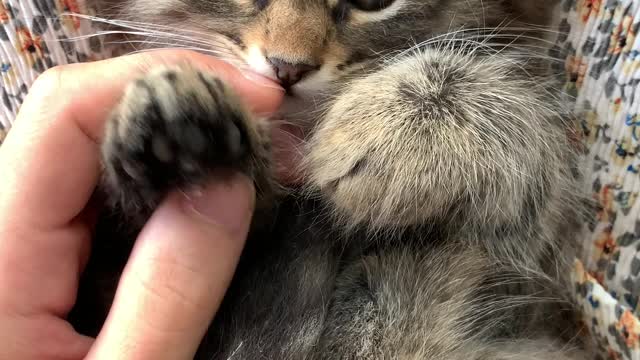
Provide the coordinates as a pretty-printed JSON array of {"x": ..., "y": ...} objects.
[
  {"x": 598, "y": 50},
  {"x": 33, "y": 38},
  {"x": 601, "y": 51}
]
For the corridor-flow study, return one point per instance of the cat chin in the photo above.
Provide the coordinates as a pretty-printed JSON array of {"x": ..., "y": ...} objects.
[{"x": 318, "y": 82}]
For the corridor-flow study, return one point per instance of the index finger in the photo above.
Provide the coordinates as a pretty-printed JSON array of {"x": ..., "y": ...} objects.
[{"x": 53, "y": 144}]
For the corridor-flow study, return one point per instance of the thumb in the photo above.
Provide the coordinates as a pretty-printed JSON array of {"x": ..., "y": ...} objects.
[{"x": 177, "y": 274}]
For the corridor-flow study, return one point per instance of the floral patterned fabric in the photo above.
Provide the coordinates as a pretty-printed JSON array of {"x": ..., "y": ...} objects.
[
  {"x": 598, "y": 41},
  {"x": 34, "y": 37}
]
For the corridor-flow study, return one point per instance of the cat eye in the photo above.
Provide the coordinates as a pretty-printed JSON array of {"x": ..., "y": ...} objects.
[{"x": 371, "y": 5}]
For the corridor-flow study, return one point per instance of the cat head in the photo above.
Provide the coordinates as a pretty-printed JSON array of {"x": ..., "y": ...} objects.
[{"x": 310, "y": 45}]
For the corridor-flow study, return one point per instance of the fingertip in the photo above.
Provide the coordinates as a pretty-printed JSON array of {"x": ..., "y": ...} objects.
[
  {"x": 227, "y": 204},
  {"x": 260, "y": 94}
]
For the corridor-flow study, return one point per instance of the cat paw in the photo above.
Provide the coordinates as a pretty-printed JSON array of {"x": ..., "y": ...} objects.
[{"x": 173, "y": 128}]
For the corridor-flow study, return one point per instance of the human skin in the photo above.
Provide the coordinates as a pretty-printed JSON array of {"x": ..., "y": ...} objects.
[{"x": 183, "y": 259}]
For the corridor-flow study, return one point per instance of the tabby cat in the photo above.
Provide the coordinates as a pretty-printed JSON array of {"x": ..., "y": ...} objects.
[{"x": 437, "y": 215}]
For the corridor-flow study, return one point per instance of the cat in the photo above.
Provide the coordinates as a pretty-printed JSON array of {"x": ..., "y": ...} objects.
[{"x": 438, "y": 212}]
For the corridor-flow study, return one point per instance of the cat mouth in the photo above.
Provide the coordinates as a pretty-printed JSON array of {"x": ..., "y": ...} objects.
[{"x": 288, "y": 91}]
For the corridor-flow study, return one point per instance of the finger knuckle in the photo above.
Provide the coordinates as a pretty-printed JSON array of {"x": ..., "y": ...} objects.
[{"x": 50, "y": 80}]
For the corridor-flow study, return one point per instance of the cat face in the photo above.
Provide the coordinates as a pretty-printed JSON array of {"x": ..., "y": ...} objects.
[{"x": 310, "y": 45}]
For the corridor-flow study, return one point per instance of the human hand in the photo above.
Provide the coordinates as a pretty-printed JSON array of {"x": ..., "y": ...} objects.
[{"x": 182, "y": 262}]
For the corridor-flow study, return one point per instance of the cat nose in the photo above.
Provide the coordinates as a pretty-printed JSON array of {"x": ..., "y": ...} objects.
[{"x": 289, "y": 74}]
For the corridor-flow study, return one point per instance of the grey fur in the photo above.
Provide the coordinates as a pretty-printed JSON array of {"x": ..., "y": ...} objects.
[{"x": 438, "y": 216}]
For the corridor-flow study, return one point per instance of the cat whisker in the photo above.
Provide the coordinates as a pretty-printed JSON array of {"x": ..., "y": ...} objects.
[
  {"x": 136, "y": 24},
  {"x": 484, "y": 34},
  {"x": 147, "y": 34},
  {"x": 169, "y": 41},
  {"x": 137, "y": 34},
  {"x": 151, "y": 30},
  {"x": 232, "y": 61}
]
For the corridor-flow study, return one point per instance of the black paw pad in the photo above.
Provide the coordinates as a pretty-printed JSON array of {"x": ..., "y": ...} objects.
[{"x": 172, "y": 129}]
